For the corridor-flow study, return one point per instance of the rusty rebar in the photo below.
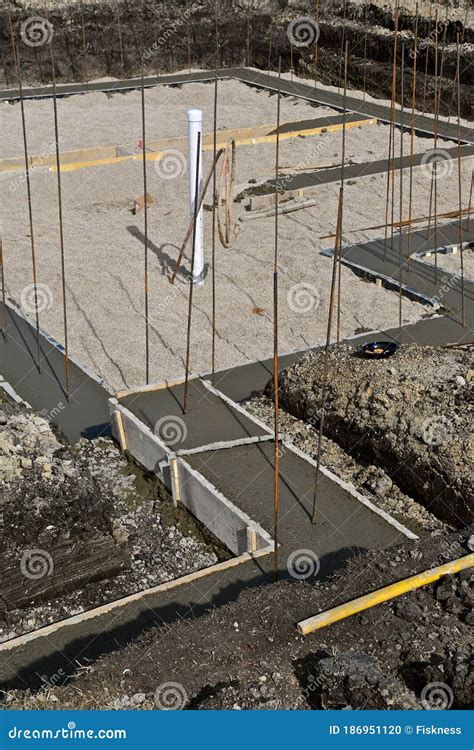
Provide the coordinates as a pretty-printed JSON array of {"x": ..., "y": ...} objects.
[
  {"x": 316, "y": 48},
  {"x": 145, "y": 222},
  {"x": 191, "y": 281},
  {"x": 119, "y": 23},
  {"x": 425, "y": 78},
  {"x": 400, "y": 236},
  {"x": 61, "y": 226},
  {"x": 325, "y": 357},
  {"x": 213, "y": 248},
  {"x": 366, "y": 28},
  {"x": 16, "y": 60},
  {"x": 391, "y": 136},
  {"x": 343, "y": 44},
  {"x": 276, "y": 414},
  {"x": 461, "y": 249},
  {"x": 412, "y": 140},
  {"x": 4, "y": 293},
  {"x": 343, "y": 163}
]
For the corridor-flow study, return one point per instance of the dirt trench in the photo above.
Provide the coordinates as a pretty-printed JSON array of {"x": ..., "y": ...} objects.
[{"x": 97, "y": 39}]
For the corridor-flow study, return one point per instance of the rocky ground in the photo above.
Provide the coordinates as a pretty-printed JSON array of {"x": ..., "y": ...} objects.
[
  {"x": 56, "y": 500},
  {"x": 413, "y": 652},
  {"x": 410, "y": 414},
  {"x": 452, "y": 262}
]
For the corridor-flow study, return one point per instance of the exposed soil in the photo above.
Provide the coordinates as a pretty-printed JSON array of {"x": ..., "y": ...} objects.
[
  {"x": 410, "y": 414},
  {"x": 248, "y": 654},
  {"x": 58, "y": 502},
  {"x": 107, "y": 38},
  {"x": 371, "y": 480}
]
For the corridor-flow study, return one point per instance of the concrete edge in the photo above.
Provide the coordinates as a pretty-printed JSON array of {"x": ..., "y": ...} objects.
[
  {"x": 50, "y": 340},
  {"x": 222, "y": 444},
  {"x": 6, "y": 386},
  {"x": 242, "y": 521},
  {"x": 420, "y": 258},
  {"x": 351, "y": 490},
  {"x": 49, "y": 631},
  {"x": 236, "y": 406}
]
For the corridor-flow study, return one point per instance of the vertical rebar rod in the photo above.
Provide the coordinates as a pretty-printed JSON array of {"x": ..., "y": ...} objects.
[
  {"x": 425, "y": 78},
  {"x": 213, "y": 247},
  {"x": 343, "y": 44},
  {"x": 145, "y": 221},
  {"x": 248, "y": 43},
  {"x": 119, "y": 23},
  {"x": 61, "y": 226},
  {"x": 343, "y": 162},
  {"x": 316, "y": 48},
  {"x": 191, "y": 281},
  {"x": 317, "y": 470},
  {"x": 436, "y": 113},
  {"x": 412, "y": 140},
  {"x": 4, "y": 293},
  {"x": 16, "y": 61},
  {"x": 366, "y": 27},
  {"x": 462, "y": 40},
  {"x": 84, "y": 43},
  {"x": 276, "y": 415},
  {"x": 400, "y": 235},
  {"x": 188, "y": 36},
  {"x": 270, "y": 46},
  {"x": 461, "y": 249},
  {"x": 391, "y": 136}
]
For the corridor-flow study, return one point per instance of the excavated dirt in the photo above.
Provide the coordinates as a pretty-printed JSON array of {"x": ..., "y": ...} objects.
[
  {"x": 410, "y": 414},
  {"x": 371, "y": 480},
  {"x": 248, "y": 654},
  {"x": 56, "y": 500}
]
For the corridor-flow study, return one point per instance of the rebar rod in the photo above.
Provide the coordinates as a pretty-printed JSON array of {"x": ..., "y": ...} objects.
[
  {"x": 4, "y": 293},
  {"x": 276, "y": 414},
  {"x": 145, "y": 222},
  {"x": 119, "y": 23},
  {"x": 325, "y": 358},
  {"x": 425, "y": 79},
  {"x": 343, "y": 163},
  {"x": 366, "y": 27},
  {"x": 461, "y": 249},
  {"x": 316, "y": 48},
  {"x": 16, "y": 61},
  {"x": 343, "y": 44},
  {"x": 61, "y": 226},
  {"x": 400, "y": 236},
  {"x": 391, "y": 135},
  {"x": 213, "y": 248},
  {"x": 433, "y": 173},
  {"x": 191, "y": 281},
  {"x": 412, "y": 139}
]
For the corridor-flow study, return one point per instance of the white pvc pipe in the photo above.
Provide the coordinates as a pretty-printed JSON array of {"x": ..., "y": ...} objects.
[{"x": 195, "y": 127}]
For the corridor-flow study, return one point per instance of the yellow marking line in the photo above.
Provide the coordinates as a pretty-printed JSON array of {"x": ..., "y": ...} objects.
[
  {"x": 382, "y": 595},
  {"x": 245, "y": 141}
]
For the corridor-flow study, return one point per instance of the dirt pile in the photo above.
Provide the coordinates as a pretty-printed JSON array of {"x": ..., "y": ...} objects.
[
  {"x": 115, "y": 38},
  {"x": 410, "y": 414},
  {"x": 248, "y": 654},
  {"x": 81, "y": 526}
]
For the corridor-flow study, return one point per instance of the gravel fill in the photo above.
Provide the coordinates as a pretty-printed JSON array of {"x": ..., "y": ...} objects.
[{"x": 53, "y": 495}]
